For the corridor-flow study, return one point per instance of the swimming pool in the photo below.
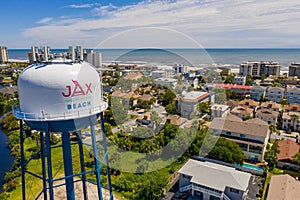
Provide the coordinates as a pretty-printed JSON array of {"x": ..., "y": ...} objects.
[{"x": 249, "y": 166}]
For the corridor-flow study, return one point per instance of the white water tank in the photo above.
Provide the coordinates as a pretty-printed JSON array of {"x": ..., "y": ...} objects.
[{"x": 59, "y": 90}]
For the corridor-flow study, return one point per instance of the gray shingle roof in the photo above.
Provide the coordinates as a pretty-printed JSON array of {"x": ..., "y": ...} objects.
[
  {"x": 215, "y": 176},
  {"x": 255, "y": 126}
]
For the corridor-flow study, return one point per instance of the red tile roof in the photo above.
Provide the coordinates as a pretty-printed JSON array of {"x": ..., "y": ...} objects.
[
  {"x": 234, "y": 86},
  {"x": 288, "y": 149}
]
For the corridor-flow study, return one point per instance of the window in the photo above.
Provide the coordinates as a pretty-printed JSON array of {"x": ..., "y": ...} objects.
[
  {"x": 228, "y": 133},
  {"x": 234, "y": 190},
  {"x": 242, "y": 135},
  {"x": 186, "y": 176}
]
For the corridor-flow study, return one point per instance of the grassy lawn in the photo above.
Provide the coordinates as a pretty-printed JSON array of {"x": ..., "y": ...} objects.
[{"x": 33, "y": 184}]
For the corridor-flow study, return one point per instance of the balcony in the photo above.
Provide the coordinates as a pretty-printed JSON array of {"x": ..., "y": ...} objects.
[
  {"x": 255, "y": 151},
  {"x": 194, "y": 187}
]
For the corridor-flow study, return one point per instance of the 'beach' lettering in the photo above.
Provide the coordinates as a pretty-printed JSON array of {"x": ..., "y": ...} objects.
[{"x": 79, "y": 105}]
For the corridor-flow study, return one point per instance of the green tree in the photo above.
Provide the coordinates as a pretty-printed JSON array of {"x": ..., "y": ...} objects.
[
  {"x": 263, "y": 77},
  {"x": 271, "y": 156},
  {"x": 273, "y": 129},
  {"x": 151, "y": 187},
  {"x": 169, "y": 97},
  {"x": 203, "y": 107},
  {"x": 171, "y": 109},
  {"x": 155, "y": 117},
  {"x": 119, "y": 109},
  {"x": 249, "y": 80},
  {"x": 294, "y": 119},
  {"x": 283, "y": 102},
  {"x": 220, "y": 95},
  {"x": 229, "y": 79},
  {"x": 247, "y": 117},
  {"x": 227, "y": 151},
  {"x": 296, "y": 158}
]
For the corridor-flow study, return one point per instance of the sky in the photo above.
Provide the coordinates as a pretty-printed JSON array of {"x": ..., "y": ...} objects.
[{"x": 211, "y": 23}]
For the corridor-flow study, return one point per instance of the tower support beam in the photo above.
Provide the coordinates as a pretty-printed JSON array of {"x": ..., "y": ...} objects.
[{"x": 68, "y": 165}]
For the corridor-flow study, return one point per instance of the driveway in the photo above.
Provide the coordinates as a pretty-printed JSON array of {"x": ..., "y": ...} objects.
[{"x": 253, "y": 188}]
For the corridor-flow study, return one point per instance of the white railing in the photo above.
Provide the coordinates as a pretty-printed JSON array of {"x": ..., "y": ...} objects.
[
  {"x": 185, "y": 188},
  {"x": 201, "y": 189},
  {"x": 225, "y": 197},
  {"x": 59, "y": 116}
]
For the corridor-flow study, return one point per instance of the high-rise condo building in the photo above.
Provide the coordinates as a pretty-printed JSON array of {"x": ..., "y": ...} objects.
[
  {"x": 3, "y": 54},
  {"x": 257, "y": 69},
  {"x": 294, "y": 69}
]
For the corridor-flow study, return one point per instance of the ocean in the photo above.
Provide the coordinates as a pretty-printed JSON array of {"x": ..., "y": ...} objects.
[{"x": 196, "y": 57}]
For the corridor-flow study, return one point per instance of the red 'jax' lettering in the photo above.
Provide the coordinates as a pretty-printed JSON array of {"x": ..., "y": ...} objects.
[{"x": 78, "y": 90}]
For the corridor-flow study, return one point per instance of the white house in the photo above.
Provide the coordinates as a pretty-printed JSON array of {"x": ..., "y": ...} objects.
[
  {"x": 242, "y": 111},
  {"x": 290, "y": 123},
  {"x": 251, "y": 135},
  {"x": 218, "y": 110},
  {"x": 239, "y": 80},
  {"x": 206, "y": 180},
  {"x": 168, "y": 82},
  {"x": 257, "y": 92},
  {"x": 275, "y": 94},
  {"x": 267, "y": 115},
  {"x": 293, "y": 95},
  {"x": 188, "y": 104}
]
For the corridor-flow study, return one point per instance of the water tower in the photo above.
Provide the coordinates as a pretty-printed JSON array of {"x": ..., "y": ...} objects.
[{"x": 63, "y": 96}]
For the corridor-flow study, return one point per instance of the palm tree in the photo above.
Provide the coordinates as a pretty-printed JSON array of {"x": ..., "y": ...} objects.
[
  {"x": 294, "y": 118},
  {"x": 273, "y": 129}
]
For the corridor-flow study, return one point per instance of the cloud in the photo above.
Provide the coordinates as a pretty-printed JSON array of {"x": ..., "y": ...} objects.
[
  {"x": 81, "y": 5},
  {"x": 44, "y": 20},
  {"x": 208, "y": 21}
]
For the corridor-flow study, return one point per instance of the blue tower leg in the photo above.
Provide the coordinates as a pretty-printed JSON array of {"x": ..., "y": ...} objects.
[
  {"x": 80, "y": 146},
  {"x": 49, "y": 162},
  {"x": 68, "y": 165},
  {"x": 106, "y": 157},
  {"x": 22, "y": 160},
  {"x": 96, "y": 159},
  {"x": 44, "y": 171}
]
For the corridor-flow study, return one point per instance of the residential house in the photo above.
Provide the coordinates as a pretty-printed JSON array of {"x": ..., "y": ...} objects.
[
  {"x": 288, "y": 149},
  {"x": 218, "y": 110},
  {"x": 291, "y": 121},
  {"x": 251, "y": 135},
  {"x": 267, "y": 115},
  {"x": 257, "y": 92},
  {"x": 207, "y": 180},
  {"x": 242, "y": 111},
  {"x": 275, "y": 94},
  {"x": 293, "y": 95},
  {"x": 168, "y": 82},
  {"x": 239, "y": 90},
  {"x": 188, "y": 104},
  {"x": 158, "y": 74},
  {"x": 271, "y": 105},
  {"x": 232, "y": 104},
  {"x": 239, "y": 80},
  {"x": 292, "y": 107},
  {"x": 249, "y": 103},
  {"x": 175, "y": 120},
  {"x": 131, "y": 75},
  {"x": 284, "y": 187},
  {"x": 9, "y": 90}
]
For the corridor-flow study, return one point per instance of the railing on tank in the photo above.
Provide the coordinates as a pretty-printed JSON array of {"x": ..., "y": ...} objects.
[{"x": 57, "y": 116}]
